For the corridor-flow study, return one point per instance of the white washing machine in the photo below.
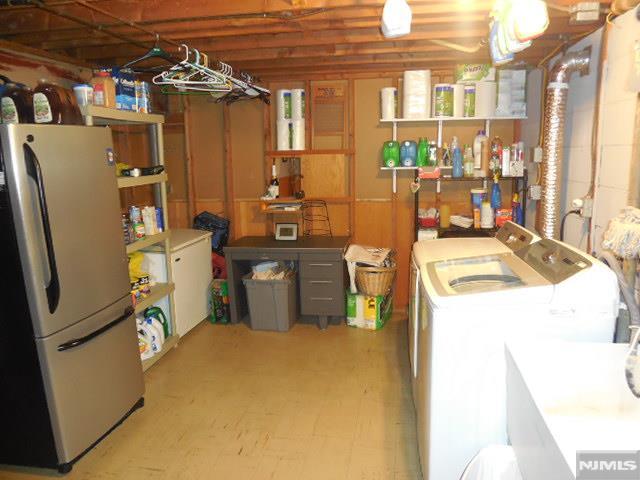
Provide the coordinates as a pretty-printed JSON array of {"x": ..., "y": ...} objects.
[
  {"x": 509, "y": 238},
  {"x": 468, "y": 308}
]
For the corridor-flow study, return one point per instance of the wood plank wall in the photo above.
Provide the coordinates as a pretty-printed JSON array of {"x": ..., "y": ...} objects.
[{"x": 381, "y": 219}]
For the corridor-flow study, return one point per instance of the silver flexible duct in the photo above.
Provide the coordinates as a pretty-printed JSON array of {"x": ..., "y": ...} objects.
[{"x": 554, "y": 122}]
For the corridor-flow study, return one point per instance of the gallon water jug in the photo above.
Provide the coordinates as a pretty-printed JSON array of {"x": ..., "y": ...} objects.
[{"x": 391, "y": 154}]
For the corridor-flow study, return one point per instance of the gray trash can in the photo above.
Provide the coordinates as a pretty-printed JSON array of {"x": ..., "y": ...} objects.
[{"x": 272, "y": 303}]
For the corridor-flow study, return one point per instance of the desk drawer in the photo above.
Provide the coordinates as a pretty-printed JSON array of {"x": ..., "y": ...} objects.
[
  {"x": 321, "y": 269},
  {"x": 264, "y": 256},
  {"x": 322, "y": 297}
]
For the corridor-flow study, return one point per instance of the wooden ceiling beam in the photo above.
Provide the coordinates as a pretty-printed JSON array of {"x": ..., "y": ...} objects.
[
  {"x": 58, "y": 40},
  {"x": 218, "y": 47}
]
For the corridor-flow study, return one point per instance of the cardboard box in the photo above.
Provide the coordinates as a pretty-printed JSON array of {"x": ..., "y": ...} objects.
[{"x": 370, "y": 313}]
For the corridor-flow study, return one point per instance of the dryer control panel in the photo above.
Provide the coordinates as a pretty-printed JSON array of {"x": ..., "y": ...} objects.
[
  {"x": 553, "y": 261},
  {"x": 514, "y": 236}
]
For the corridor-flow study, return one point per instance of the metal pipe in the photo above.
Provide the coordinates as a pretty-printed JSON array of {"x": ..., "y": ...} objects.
[{"x": 554, "y": 124}]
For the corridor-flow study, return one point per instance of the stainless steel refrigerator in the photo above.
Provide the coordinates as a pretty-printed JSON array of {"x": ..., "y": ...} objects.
[{"x": 70, "y": 369}]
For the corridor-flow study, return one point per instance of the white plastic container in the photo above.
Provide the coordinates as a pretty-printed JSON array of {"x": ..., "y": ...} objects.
[
  {"x": 84, "y": 94},
  {"x": 477, "y": 148}
]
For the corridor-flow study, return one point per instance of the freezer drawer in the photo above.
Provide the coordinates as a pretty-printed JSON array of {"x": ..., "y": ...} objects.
[{"x": 93, "y": 377}]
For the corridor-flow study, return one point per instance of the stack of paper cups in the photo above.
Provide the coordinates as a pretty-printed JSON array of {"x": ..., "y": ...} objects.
[
  {"x": 297, "y": 135},
  {"x": 416, "y": 99},
  {"x": 486, "y": 99},
  {"x": 297, "y": 104},
  {"x": 388, "y": 102},
  {"x": 458, "y": 100}
]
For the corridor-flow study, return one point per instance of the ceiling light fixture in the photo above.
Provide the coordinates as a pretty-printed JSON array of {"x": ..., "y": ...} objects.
[{"x": 396, "y": 19}]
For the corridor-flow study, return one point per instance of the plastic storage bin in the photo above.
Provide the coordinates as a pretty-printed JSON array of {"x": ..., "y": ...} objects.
[{"x": 272, "y": 303}]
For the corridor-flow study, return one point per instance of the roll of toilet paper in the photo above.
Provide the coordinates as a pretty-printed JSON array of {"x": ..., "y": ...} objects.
[
  {"x": 458, "y": 100},
  {"x": 486, "y": 94},
  {"x": 283, "y": 104},
  {"x": 284, "y": 134},
  {"x": 416, "y": 97},
  {"x": 298, "y": 135},
  {"x": 297, "y": 103},
  {"x": 388, "y": 102}
]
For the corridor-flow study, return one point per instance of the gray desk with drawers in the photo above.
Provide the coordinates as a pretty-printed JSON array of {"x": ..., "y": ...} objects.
[{"x": 320, "y": 265}]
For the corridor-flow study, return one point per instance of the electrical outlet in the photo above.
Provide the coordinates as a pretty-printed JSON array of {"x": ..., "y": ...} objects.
[
  {"x": 535, "y": 192},
  {"x": 537, "y": 154},
  {"x": 587, "y": 207}
]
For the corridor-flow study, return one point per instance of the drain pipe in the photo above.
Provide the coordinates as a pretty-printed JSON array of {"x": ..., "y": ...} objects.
[{"x": 554, "y": 123}]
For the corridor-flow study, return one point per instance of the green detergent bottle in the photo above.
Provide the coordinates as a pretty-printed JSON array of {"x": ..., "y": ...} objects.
[
  {"x": 391, "y": 154},
  {"x": 423, "y": 152},
  {"x": 158, "y": 314}
]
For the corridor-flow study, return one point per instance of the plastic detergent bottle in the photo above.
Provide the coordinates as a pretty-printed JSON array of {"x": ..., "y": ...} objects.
[
  {"x": 423, "y": 152},
  {"x": 17, "y": 104},
  {"x": 516, "y": 209},
  {"x": 144, "y": 345},
  {"x": 468, "y": 162},
  {"x": 458, "y": 170},
  {"x": 496, "y": 195},
  {"x": 477, "y": 148},
  {"x": 155, "y": 323},
  {"x": 159, "y": 315},
  {"x": 391, "y": 154},
  {"x": 408, "y": 153}
]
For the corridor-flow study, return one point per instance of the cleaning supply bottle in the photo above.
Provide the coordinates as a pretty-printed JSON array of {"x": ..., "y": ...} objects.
[
  {"x": 468, "y": 162},
  {"x": 496, "y": 195},
  {"x": 158, "y": 314},
  {"x": 423, "y": 152},
  {"x": 516, "y": 210},
  {"x": 477, "y": 148},
  {"x": 495, "y": 159},
  {"x": 391, "y": 154},
  {"x": 446, "y": 156},
  {"x": 458, "y": 169},
  {"x": 408, "y": 153},
  {"x": 144, "y": 345}
]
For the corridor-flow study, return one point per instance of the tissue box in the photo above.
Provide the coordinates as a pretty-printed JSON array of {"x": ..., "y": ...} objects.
[{"x": 474, "y": 72}]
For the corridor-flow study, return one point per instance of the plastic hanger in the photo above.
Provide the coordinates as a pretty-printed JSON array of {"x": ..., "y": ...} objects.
[{"x": 155, "y": 52}]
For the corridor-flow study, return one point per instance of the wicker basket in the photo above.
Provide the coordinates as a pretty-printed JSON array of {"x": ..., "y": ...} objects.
[{"x": 375, "y": 280}]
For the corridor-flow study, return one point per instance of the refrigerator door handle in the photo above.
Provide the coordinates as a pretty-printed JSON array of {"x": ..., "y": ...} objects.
[
  {"x": 35, "y": 172},
  {"x": 76, "y": 342}
]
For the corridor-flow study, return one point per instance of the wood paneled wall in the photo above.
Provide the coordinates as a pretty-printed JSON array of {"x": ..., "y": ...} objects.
[{"x": 381, "y": 218}]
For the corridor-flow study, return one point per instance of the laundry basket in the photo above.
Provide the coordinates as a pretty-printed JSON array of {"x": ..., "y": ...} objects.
[{"x": 375, "y": 280}]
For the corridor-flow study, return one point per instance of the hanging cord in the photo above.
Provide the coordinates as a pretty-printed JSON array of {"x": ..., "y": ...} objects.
[
  {"x": 564, "y": 219},
  {"x": 627, "y": 294}
]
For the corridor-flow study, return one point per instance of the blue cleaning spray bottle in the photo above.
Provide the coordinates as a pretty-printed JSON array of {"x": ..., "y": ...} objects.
[{"x": 496, "y": 195}]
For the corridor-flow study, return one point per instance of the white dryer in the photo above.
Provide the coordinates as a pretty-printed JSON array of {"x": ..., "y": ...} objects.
[
  {"x": 469, "y": 307},
  {"x": 509, "y": 238}
]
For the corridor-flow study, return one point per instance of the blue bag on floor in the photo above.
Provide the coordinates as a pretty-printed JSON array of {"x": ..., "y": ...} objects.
[{"x": 217, "y": 225}]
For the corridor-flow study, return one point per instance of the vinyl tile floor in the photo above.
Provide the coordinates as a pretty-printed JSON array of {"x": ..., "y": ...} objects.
[{"x": 234, "y": 404}]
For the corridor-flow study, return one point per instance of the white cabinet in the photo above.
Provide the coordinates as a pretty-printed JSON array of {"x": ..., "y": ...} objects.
[{"x": 190, "y": 259}]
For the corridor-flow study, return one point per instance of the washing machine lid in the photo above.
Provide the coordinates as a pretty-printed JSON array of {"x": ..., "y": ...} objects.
[
  {"x": 503, "y": 277},
  {"x": 510, "y": 238}
]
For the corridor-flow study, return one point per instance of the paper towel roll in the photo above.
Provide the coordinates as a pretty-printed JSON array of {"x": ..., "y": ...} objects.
[
  {"x": 283, "y": 104},
  {"x": 297, "y": 103},
  {"x": 416, "y": 98},
  {"x": 458, "y": 100},
  {"x": 284, "y": 136},
  {"x": 486, "y": 93},
  {"x": 298, "y": 136},
  {"x": 388, "y": 102}
]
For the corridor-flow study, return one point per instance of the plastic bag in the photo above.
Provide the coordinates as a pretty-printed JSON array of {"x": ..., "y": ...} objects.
[{"x": 217, "y": 225}]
